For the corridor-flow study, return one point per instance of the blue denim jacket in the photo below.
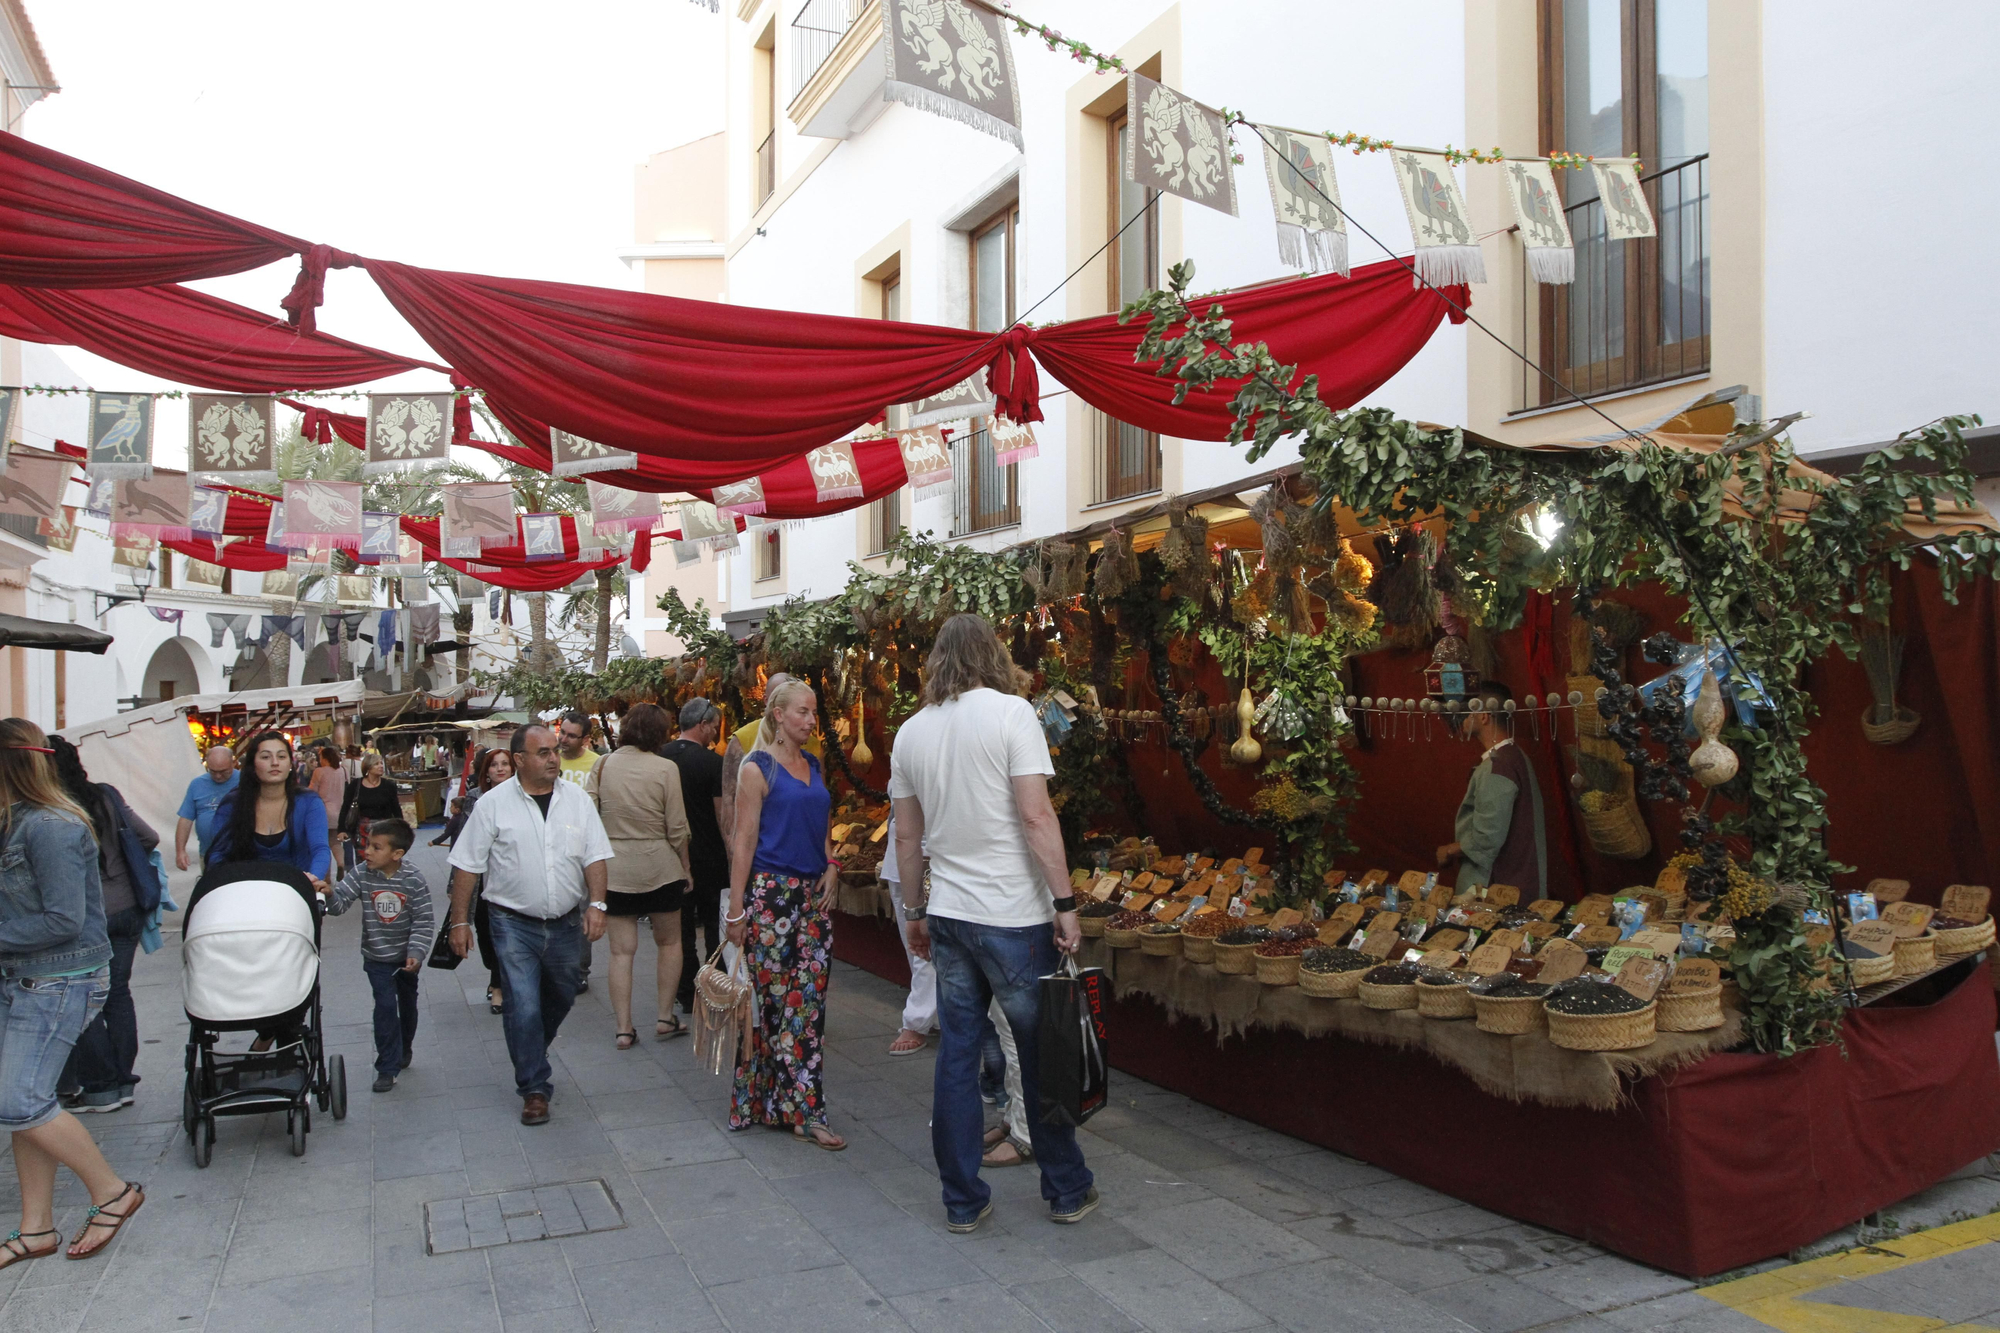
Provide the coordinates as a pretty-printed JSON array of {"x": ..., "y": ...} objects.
[{"x": 51, "y": 904}]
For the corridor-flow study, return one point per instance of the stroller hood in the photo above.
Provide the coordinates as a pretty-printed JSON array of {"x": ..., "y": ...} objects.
[{"x": 249, "y": 944}]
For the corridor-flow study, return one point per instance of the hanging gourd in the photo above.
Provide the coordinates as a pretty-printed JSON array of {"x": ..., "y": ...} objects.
[
  {"x": 862, "y": 755},
  {"x": 1245, "y": 750},
  {"x": 1712, "y": 762}
]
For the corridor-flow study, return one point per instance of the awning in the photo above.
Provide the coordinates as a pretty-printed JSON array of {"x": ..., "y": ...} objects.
[{"x": 21, "y": 632}]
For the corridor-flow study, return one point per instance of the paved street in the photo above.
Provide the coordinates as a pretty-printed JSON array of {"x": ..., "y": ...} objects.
[{"x": 1208, "y": 1222}]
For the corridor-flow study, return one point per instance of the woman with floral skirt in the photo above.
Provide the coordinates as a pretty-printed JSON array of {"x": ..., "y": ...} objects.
[{"x": 782, "y": 878}]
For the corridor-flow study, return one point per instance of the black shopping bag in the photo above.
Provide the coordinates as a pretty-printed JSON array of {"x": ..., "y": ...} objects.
[{"x": 1074, "y": 1076}]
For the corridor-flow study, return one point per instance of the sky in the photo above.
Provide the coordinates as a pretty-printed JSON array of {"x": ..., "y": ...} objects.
[{"x": 497, "y": 138}]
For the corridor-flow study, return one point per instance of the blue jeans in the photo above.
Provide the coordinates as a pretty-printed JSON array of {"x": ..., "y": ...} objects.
[
  {"x": 108, "y": 1048},
  {"x": 975, "y": 965},
  {"x": 40, "y": 1020},
  {"x": 539, "y": 972},
  {"x": 395, "y": 1013}
]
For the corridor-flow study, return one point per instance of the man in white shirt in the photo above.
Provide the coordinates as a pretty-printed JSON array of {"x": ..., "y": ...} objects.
[
  {"x": 540, "y": 845},
  {"x": 969, "y": 780}
]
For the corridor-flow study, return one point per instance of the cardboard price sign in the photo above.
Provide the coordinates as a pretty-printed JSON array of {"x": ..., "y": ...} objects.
[
  {"x": 1346, "y": 914},
  {"x": 1502, "y": 895},
  {"x": 1374, "y": 877},
  {"x": 1440, "y": 897},
  {"x": 1889, "y": 890},
  {"x": 1540, "y": 930},
  {"x": 1286, "y": 916},
  {"x": 1379, "y": 942},
  {"x": 1411, "y": 883},
  {"x": 1909, "y": 919},
  {"x": 1877, "y": 937},
  {"x": 1591, "y": 912},
  {"x": 1967, "y": 902},
  {"x": 1695, "y": 974},
  {"x": 1389, "y": 922},
  {"x": 1615, "y": 959},
  {"x": 1105, "y": 887},
  {"x": 1666, "y": 943},
  {"x": 1483, "y": 920},
  {"x": 1489, "y": 960},
  {"x": 1592, "y": 937},
  {"x": 1333, "y": 932},
  {"x": 1560, "y": 961},
  {"x": 1078, "y": 878},
  {"x": 1643, "y": 976},
  {"x": 1442, "y": 959},
  {"x": 1548, "y": 909},
  {"x": 1448, "y": 938}
]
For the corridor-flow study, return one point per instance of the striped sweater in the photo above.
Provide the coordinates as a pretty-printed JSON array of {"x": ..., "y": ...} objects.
[{"x": 396, "y": 916}]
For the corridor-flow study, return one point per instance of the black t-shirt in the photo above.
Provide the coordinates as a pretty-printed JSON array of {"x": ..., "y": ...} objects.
[
  {"x": 701, "y": 788},
  {"x": 542, "y": 799}
]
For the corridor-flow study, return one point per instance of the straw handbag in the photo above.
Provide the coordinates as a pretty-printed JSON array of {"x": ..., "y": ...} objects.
[{"x": 722, "y": 1013}]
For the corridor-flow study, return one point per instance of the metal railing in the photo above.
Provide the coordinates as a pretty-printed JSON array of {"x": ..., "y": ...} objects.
[
  {"x": 816, "y": 31},
  {"x": 1638, "y": 312},
  {"x": 1128, "y": 458},
  {"x": 983, "y": 492},
  {"x": 767, "y": 168}
]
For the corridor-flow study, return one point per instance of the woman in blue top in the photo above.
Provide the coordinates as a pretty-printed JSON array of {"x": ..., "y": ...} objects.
[
  {"x": 269, "y": 817},
  {"x": 782, "y": 878}
]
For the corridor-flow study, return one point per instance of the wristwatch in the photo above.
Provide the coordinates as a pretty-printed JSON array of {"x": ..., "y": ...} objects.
[
  {"x": 600, "y": 907},
  {"x": 1066, "y": 903},
  {"x": 917, "y": 913}
]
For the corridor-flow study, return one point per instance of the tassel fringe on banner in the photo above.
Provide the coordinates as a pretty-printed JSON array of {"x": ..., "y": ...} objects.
[
  {"x": 1552, "y": 264},
  {"x": 1316, "y": 251},
  {"x": 937, "y": 104},
  {"x": 1446, "y": 265},
  {"x": 936, "y": 487},
  {"x": 579, "y": 467}
]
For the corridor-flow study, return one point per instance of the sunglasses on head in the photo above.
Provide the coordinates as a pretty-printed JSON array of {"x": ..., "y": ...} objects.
[{"x": 32, "y": 749}]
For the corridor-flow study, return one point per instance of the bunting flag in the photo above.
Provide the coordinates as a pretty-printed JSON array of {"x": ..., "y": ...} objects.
[
  {"x": 967, "y": 399},
  {"x": 97, "y": 497},
  {"x": 10, "y": 404},
  {"x": 740, "y": 497},
  {"x": 1626, "y": 214},
  {"x": 412, "y": 590},
  {"x": 323, "y": 515},
  {"x": 208, "y": 511},
  {"x": 170, "y": 616},
  {"x": 61, "y": 530},
  {"x": 33, "y": 486},
  {"x": 542, "y": 536},
  {"x": 407, "y": 561},
  {"x": 574, "y": 456},
  {"x": 834, "y": 473},
  {"x": 477, "y": 514},
  {"x": 281, "y": 585},
  {"x": 926, "y": 460},
  {"x": 275, "y": 535},
  {"x": 121, "y": 435},
  {"x": 1305, "y": 198},
  {"x": 702, "y": 526},
  {"x": 132, "y": 550},
  {"x": 380, "y": 534},
  {"x": 231, "y": 439},
  {"x": 952, "y": 59},
  {"x": 686, "y": 553},
  {"x": 614, "y": 509},
  {"x": 202, "y": 574},
  {"x": 1447, "y": 250},
  {"x": 1177, "y": 145},
  {"x": 155, "y": 507},
  {"x": 310, "y": 564},
  {"x": 1013, "y": 441},
  {"x": 1545, "y": 239},
  {"x": 356, "y": 590},
  {"x": 407, "y": 430},
  {"x": 468, "y": 587}
]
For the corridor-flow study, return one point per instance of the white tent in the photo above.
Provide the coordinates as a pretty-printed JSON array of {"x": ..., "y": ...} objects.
[{"x": 150, "y": 755}]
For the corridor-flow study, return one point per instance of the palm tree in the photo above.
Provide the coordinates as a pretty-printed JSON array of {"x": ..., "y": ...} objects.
[
  {"x": 541, "y": 493},
  {"x": 595, "y": 604}
]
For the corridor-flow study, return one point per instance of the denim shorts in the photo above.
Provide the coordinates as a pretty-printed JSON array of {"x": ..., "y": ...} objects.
[{"x": 40, "y": 1020}]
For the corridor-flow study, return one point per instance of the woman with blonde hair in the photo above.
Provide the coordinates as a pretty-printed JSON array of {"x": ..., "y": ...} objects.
[
  {"x": 55, "y": 976},
  {"x": 782, "y": 878}
]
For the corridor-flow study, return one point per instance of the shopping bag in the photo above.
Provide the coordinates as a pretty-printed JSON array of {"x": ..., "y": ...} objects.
[
  {"x": 443, "y": 956},
  {"x": 1074, "y": 1075},
  {"x": 722, "y": 1013}
]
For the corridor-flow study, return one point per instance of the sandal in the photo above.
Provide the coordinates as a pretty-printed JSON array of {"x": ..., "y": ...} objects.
[
  {"x": 992, "y": 1137},
  {"x": 907, "y": 1042},
  {"x": 1013, "y": 1156},
  {"x": 666, "y": 1029},
  {"x": 627, "y": 1040},
  {"x": 14, "y": 1250},
  {"x": 493, "y": 999},
  {"x": 819, "y": 1136},
  {"x": 95, "y": 1218}
]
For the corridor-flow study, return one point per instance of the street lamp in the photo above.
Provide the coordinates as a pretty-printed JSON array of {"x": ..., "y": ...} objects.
[{"x": 142, "y": 579}]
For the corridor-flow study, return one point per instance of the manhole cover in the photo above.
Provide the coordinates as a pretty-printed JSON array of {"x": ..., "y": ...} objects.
[{"x": 515, "y": 1215}]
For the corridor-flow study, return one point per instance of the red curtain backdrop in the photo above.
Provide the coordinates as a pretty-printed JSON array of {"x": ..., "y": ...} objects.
[
  {"x": 66, "y": 223},
  {"x": 186, "y": 336}
]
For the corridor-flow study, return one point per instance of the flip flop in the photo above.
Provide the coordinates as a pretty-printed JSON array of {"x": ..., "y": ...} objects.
[
  {"x": 805, "y": 1134},
  {"x": 627, "y": 1040},
  {"x": 94, "y": 1218},
  {"x": 898, "y": 1050}
]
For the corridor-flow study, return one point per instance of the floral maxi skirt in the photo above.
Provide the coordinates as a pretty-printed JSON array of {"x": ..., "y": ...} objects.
[{"x": 789, "y": 941}]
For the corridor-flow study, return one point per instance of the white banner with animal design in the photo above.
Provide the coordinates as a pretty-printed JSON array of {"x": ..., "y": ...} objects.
[
  {"x": 155, "y": 506},
  {"x": 323, "y": 515},
  {"x": 739, "y": 497},
  {"x": 701, "y": 525},
  {"x": 1305, "y": 199},
  {"x": 835, "y": 474},
  {"x": 1447, "y": 250},
  {"x": 407, "y": 430},
  {"x": 926, "y": 460},
  {"x": 615, "y": 510},
  {"x": 1538, "y": 215},
  {"x": 1177, "y": 145},
  {"x": 961, "y": 402},
  {"x": 574, "y": 456},
  {"x": 477, "y": 514},
  {"x": 208, "y": 511},
  {"x": 121, "y": 436},
  {"x": 952, "y": 59},
  {"x": 230, "y": 439},
  {"x": 34, "y": 483},
  {"x": 1013, "y": 441},
  {"x": 1626, "y": 214}
]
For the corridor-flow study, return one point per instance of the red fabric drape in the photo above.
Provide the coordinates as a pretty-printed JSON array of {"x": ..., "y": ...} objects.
[
  {"x": 509, "y": 566},
  {"x": 189, "y": 337},
  {"x": 66, "y": 223}
]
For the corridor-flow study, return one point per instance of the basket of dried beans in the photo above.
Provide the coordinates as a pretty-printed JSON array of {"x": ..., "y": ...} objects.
[
  {"x": 1332, "y": 974},
  {"x": 1958, "y": 936},
  {"x": 1390, "y": 986},
  {"x": 1587, "y": 1015},
  {"x": 1277, "y": 960},
  {"x": 1122, "y": 931},
  {"x": 1161, "y": 939},
  {"x": 1235, "y": 950},
  {"x": 1442, "y": 994},
  {"x": 1090, "y": 918},
  {"x": 1198, "y": 935},
  {"x": 1506, "y": 1005}
]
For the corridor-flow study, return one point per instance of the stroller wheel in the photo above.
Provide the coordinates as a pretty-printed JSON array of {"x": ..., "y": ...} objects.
[
  {"x": 189, "y": 1119},
  {"x": 337, "y": 1086},
  {"x": 295, "y": 1123},
  {"x": 204, "y": 1141}
]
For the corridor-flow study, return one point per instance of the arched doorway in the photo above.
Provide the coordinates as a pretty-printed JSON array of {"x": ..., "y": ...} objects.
[{"x": 170, "y": 673}]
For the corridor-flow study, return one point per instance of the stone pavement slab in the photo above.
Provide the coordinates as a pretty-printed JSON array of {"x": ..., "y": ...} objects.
[{"x": 637, "y": 1208}]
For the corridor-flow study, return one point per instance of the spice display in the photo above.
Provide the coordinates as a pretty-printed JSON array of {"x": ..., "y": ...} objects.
[
  {"x": 1128, "y": 921},
  {"x": 1436, "y": 976},
  {"x": 1394, "y": 974},
  {"x": 1327, "y": 961},
  {"x": 1207, "y": 926},
  {"x": 1283, "y": 948},
  {"x": 1161, "y": 928},
  {"x": 1095, "y": 909},
  {"x": 1508, "y": 986},
  {"x": 1951, "y": 923},
  {"x": 1594, "y": 998},
  {"x": 1246, "y": 935}
]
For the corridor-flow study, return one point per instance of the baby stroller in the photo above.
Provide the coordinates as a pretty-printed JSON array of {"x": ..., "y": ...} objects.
[{"x": 250, "y": 962}]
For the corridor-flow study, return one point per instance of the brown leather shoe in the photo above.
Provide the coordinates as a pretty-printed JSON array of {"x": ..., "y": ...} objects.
[{"x": 534, "y": 1109}]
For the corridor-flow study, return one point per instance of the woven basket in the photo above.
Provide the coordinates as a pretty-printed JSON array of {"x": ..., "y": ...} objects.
[
  {"x": 1121, "y": 939},
  {"x": 1621, "y": 831},
  {"x": 1691, "y": 1011},
  {"x": 1589, "y": 722},
  {"x": 1198, "y": 948},
  {"x": 1277, "y": 971},
  {"x": 1916, "y": 955},
  {"x": 1603, "y": 1032},
  {"x": 1388, "y": 997},
  {"x": 1445, "y": 1001},
  {"x": 1331, "y": 985},
  {"x": 1160, "y": 943},
  {"x": 1507, "y": 1015},
  {"x": 1091, "y": 927},
  {"x": 1872, "y": 971},
  {"x": 1966, "y": 939},
  {"x": 1893, "y": 732},
  {"x": 1236, "y": 959},
  {"x": 1732, "y": 994}
]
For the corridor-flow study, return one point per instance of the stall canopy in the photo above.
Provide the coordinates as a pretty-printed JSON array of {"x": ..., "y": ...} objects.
[{"x": 21, "y": 632}]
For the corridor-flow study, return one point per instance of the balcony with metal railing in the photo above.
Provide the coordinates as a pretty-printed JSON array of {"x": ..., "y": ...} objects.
[
  {"x": 816, "y": 30},
  {"x": 837, "y": 69},
  {"x": 767, "y": 167},
  {"x": 1638, "y": 313}
]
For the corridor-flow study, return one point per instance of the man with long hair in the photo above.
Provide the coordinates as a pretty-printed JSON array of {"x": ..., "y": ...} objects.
[{"x": 969, "y": 780}]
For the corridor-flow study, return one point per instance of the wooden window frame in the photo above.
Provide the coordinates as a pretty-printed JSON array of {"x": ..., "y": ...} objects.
[
  {"x": 883, "y": 518},
  {"x": 1110, "y": 482},
  {"x": 772, "y": 537},
  {"x": 973, "y": 514}
]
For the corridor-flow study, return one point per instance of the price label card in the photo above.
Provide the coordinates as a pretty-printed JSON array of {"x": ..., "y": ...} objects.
[
  {"x": 1411, "y": 883},
  {"x": 1333, "y": 932},
  {"x": 1440, "y": 896},
  {"x": 1443, "y": 959},
  {"x": 1489, "y": 960},
  {"x": 1591, "y": 912},
  {"x": 1424, "y": 912},
  {"x": 1347, "y": 914},
  {"x": 1373, "y": 901},
  {"x": 1204, "y": 862},
  {"x": 1695, "y": 974},
  {"x": 1166, "y": 909},
  {"x": 1665, "y": 943},
  {"x": 1548, "y": 909},
  {"x": 1513, "y": 939},
  {"x": 1560, "y": 961},
  {"x": 1105, "y": 887},
  {"x": 1143, "y": 880},
  {"x": 1967, "y": 902},
  {"x": 1079, "y": 879},
  {"x": 1910, "y": 919},
  {"x": 1232, "y": 866},
  {"x": 1451, "y": 937},
  {"x": 1889, "y": 890},
  {"x": 1644, "y": 976},
  {"x": 1540, "y": 930},
  {"x": 1333, "y": 879},
  {"x": 1502, "y": 895},
  {"x": 1374, "y": 877},
  {"x": 1877, "y": 937},
  {"x": 1483, "y": 920},
  {"x": 1387, "y": 921},
  {"x": 1379, "y": 942},
  {"x": 1254, "y": 856},
  {"x": 1135, "y": 901},
  {"x": 1615, "y": 959},
  {"x": 1593, "y": 937},
  {"x": 1286, "y": 916}
]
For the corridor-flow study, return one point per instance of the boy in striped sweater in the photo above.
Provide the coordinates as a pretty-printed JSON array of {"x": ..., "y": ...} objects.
[{"x": 396, "y": 920}]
